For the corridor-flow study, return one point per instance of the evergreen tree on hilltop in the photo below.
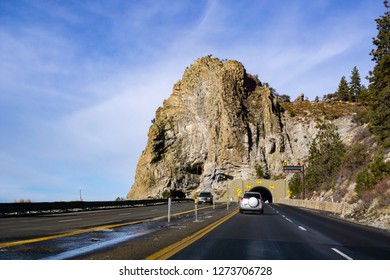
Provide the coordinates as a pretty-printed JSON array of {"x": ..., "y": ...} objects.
[
  {"x": 355, "y": 86},
  {"x": 379, "y": 88},
  {"x": 342, "y": 93}
]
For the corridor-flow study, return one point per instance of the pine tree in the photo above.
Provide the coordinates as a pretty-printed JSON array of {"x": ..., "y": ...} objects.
[
  {"x": 325, "y": 157},
  {"x": 355, "y": 86},
  {"x": 379, "y": 88},
  {"x": 295, "y": 186},
  {"x": 342, "y": 93},
  {"x": 364, "y": 96}
]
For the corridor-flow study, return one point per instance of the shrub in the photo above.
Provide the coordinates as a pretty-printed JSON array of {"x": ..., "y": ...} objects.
[
  {"x": 372, "y": 174},
  {"x": 295, "y": 186},
  {"x": 259, "y": 171},
  {"x": 166, "y": 193},
  {"x": 355, "y": 159}
]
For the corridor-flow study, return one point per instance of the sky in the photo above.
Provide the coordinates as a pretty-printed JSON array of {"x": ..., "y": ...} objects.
[{"x": 80, "y": 81}]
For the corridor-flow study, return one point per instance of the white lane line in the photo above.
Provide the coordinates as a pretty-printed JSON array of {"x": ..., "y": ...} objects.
[
  {"x": 123, "y": 214},
  {"x": 342, "y": 254},
  {"x": 302, "y": 228},
  {"x": 289, "y": 220},
  {"x": 71, "y": 220}
]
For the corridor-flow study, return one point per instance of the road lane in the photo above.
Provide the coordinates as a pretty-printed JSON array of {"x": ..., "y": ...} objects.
[
  {"x": 288, "y": 233},
  {"x": 122, "y": 241},
  {"x": 17, "y": 228},
  {"x": 360, "y": 242}
]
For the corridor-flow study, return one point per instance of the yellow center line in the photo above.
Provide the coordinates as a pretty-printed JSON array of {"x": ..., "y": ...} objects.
[
  {"x": 174, "y": 248},
  {"x": 45, "y": 238}
]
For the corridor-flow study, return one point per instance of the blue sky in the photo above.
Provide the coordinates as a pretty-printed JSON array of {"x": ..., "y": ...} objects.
[{"x": 80, "y": 81}]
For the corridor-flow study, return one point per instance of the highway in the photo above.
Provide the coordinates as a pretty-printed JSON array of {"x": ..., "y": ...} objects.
[
  {"x": 282, "y": 233},
  {"x": 288, "y": 233},
  {"x": 18, "y": 228}
]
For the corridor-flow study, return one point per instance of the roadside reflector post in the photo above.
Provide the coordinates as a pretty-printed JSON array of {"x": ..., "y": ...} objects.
[
  {"x": 169, "y": 210},
  {"x": 227, "y": 204},
  {"x": 196, "y": 209},
  {"x": 213, "y": 205}
]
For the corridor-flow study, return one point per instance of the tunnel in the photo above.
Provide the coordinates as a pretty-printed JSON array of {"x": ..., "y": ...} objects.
[{"x": 265, "y": 193}]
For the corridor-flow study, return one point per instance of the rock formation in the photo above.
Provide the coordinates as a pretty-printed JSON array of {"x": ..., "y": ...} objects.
[
  {"x": 219, "y": 123},
  {"x": 300, "y": 98}
]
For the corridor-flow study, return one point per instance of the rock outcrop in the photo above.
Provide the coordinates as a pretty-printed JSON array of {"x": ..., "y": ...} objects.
[
  {"x": 300, "y": 98},
  {"x": 219, "y": 123}
]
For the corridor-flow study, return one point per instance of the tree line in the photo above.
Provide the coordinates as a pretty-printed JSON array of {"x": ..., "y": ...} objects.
[{"x": 352, "y": 90}]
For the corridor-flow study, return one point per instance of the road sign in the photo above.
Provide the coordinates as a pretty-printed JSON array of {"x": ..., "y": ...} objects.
[
  {"x": 248, "y": 187},
  {"x": 239, "y": 192},
  {"x": 259, "y": 182},
  {"x": 292, "y": 168},
  {"x": 271, "y": 187}
]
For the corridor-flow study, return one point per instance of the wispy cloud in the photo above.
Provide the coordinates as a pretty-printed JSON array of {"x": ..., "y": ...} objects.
[{"x": 80, "y": 81}]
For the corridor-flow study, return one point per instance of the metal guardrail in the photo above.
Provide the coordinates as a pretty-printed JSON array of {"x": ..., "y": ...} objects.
[{"x": 22, "y": 207}]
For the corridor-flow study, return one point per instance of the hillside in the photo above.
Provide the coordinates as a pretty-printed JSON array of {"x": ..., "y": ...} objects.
[
  {"x": 370, "y": 206},
  {"x": 221, "y": 123}
]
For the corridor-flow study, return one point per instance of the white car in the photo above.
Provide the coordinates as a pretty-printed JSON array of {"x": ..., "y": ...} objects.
[
  {"x": 205, "y": 197},
  {"x": 253, "y": 202}
]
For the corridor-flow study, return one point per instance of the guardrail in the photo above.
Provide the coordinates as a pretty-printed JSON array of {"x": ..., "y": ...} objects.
[{"x": 22, "y": 207}]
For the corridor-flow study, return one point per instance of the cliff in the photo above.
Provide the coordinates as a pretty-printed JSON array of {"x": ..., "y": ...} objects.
[{"x": 220, "y": 123}]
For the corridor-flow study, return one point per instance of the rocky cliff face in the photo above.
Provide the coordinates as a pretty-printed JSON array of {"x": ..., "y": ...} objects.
[{"x": 219, "y": 124}]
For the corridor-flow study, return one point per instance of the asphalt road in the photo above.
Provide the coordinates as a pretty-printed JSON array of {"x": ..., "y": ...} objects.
[
  {"x": 18, "y": 228},
  {"x": 285, "y": 233},
  {"x": 109, "y": 234}
]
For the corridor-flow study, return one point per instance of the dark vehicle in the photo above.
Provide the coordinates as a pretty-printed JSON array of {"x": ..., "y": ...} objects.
[
  {"x": 205, "y": 197},
  {"x": 253, "y": 202}
]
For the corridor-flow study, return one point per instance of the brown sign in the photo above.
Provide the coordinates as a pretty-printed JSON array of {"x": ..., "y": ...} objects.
[{"x": 292, "y": 168}]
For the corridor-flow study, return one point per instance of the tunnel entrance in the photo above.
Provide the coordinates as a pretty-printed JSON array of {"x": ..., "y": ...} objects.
[{"x": 265, "y": 193}]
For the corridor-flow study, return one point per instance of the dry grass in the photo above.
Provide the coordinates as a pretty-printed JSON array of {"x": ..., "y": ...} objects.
[{"x": 322, "y": 110}]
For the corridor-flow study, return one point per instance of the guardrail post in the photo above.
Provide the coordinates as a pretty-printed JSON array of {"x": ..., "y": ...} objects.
[{"x": 169, "y": 210}]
